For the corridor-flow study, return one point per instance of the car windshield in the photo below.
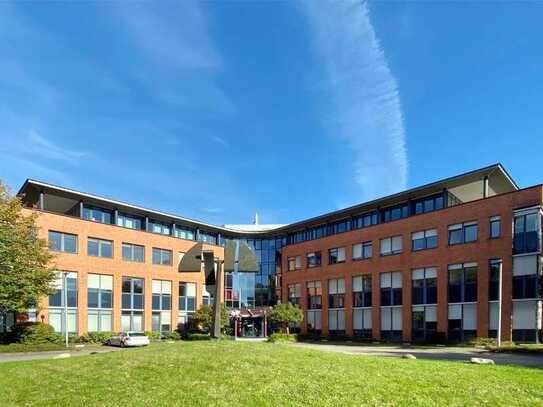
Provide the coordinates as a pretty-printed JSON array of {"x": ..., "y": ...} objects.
[{"x": 136, "y": 334}]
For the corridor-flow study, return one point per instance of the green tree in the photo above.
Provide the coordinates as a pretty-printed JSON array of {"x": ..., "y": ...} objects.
[
  {"x": 285, "y": 314},
  {"x": 203, "y": 318},
  {"x": 25, "y": 272}
]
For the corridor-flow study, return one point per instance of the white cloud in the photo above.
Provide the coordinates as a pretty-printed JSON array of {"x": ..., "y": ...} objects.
[
  {"x": 40, "y": 146},
  {"x": 364, "y": 92},
  {"x": 220, "y": 140}
]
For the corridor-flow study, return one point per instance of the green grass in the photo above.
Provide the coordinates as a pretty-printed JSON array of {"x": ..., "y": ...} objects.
[
  {"x": 260, "y": 374},
  {"x": 22, "y": 347}
]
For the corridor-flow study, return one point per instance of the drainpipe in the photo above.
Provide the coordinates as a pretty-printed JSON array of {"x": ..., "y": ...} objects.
[{"x": 485, "y": 187}]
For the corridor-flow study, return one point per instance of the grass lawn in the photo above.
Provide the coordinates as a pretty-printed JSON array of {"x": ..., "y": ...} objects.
[{"x": 256, "y": 374}]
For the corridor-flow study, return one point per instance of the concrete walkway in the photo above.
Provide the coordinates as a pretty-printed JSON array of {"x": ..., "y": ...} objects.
[
  {"x": 436, "y": 353},
  {"x": 57, "y": 354}
]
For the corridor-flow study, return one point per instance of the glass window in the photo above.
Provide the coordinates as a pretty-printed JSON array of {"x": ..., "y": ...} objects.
[
  {"x": 336, "y": 293},
  {"x": 424, "y": 285},
  {"x": 314, "y": 295},
  {"x": 395, "y": 212},
  {"x": 129, "y": 221},
  {"x": 99, "y": 248},
  {"x": 99, "y": 291},
  {"x": 495, "y": 227},
  {"x": 132, "y": 293},
  {"x": 294, "y": 263},
  {"x": 96, "y": 214},
  {"x": 526, "y": 234},
  {"x": 159, "y": 227},
  {"x": 463, "y": 233},
  {"x": 62, "y": 242},
  {"x": 362, "y": 291},
  {"x": 428, "y": 204},
  {"x": 314, "y": 259},
  {"x": 294, "y": 293},
  {"x": 57, "y": 298},
  {"x": 336, "y": 255},
  {"x": 362, "y": 251},
  {"x": 162, "y": 256},
  {"x": 494, "y": 280},
  {"x": 462, "y": 282},
  {"x": 133, "y": 252},
  {"x": 391, "y": 245},
  {"x": 184, "y": 233},
  {"x": 391, "y": 288},
  {"x": 426, "y": 239},
  {"x": 162, "y": 295},
  {"x": 187, "y": 297}
]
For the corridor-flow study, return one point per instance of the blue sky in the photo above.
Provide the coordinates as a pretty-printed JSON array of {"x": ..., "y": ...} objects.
[{"x": 216, "y": 110}]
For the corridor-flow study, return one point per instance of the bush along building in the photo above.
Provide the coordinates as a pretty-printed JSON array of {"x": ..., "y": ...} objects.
[{"x": 420, "y": 265}]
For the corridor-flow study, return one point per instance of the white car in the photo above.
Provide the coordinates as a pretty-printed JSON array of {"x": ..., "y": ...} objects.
[{"x": 129, "y": 338}]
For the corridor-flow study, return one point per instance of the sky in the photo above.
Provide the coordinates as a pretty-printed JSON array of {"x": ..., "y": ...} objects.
[{"x": 217, "y": 110}]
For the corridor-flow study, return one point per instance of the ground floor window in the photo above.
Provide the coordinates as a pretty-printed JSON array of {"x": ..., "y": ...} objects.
[
  {"x": 391, "y": 323},
  {"x": 99, "y": 320},
  {"x": 7, "y": 321},
  {"x": 424, "y": 323},
  {"x": 57, "y": 320},
  {"x": 314, "y": 323},
  {"x": 462, "y": 322},
  {"x": 362, "y": 322},
  {"x": 493, "y": 319},
  {"x": 525, "y": 321},
  {"x": 336, "y": 322},
  {"x": 132, "y": 321},
  {"x": 161, "y": 321},
  {"x": 184, "y": 320}
]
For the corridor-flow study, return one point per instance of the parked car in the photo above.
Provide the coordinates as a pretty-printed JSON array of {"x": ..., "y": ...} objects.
[{"x": 129, "y": 339}]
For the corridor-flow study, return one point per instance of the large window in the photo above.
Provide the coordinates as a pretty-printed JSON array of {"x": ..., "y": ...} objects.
[
  {"x": 526, "y": 233},
  {"x": 314, "y": 295},
  {"x": 294, "y": 293},
  {"x": 162, "y": 257},
  {"x": 162, "y": 305},
  {"x": 428, "y": 204},
  {"x": 184, "y": 233},
  {"x": 313, "y": 259},
  {"x": 391, "y": 288},
  {"x": 366, "y": 220},
  {"x": 362, "y": 291},
  {"x": 391, "y": 245},
  {"x": 336, "y": 303},
  {"x": 391, "y": 323},
  {"x": 96, "y": 214},
  {"x": 463, "y": 233},
  {"x": 132, "y": 304},
  {"x": 159, "y": 227},
  {"x": 396, "y": 212},
  {"x": 336, "y": 255},
  {"x": 362, "y": 251},
  {"x": 99, "y": 302},
  {"x": 206, "y": 237},
  {"x": 494, "y": 280},
  {"x": 463, "y": 282},
  {"x": 462, "y": 320},
  {"x": 56, "y": 302},
  {"x": 495, "y": 227},
  {"x": 133, "y": 252},
  {"x": 525, "y": 280},
  {"x": 187, "y": 303},
  {"x": 424, "y": 286},
  {"x": 294, "y": 263},
  {"x": 426, "y": 239},
  {"x": 129, "y": 221},
  {"x": 62, "y": 242},
  {"x": 99, "y": 248},
  {"x": 424, "y": 322}
]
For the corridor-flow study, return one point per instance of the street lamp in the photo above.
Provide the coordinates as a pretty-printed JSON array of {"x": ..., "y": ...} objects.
[{"x": 499, "y": 339}]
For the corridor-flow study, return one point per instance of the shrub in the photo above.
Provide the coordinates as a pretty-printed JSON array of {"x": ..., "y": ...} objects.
[
  {"x": 172, "y": 336},
  {"x": 285, "y": 314},
  {"x": 95, "y": 337},
  {"x": 153, "y": 335},
  {"x": 203, "y": 318},
  {"x": 483, "y": 342},
  {"x": 280, "y": 337},
  {"x": 36, "y": 333},
  {"x": 194, "y": 336},
  {"x": 309, "y": 337}
]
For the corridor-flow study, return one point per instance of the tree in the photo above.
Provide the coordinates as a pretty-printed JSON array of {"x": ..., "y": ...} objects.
[
  {"x": 285, "y": 314},
  {"x": 25, "y": 272},
  {"x": 203, "y": 317}
]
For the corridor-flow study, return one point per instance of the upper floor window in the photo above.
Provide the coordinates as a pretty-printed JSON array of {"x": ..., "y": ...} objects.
[
  {"x": 96, "y": 214},
  {"x": 314, "y": 259},
  {"x": 391, "y": 288},
  {"x": 187, "y": 296},
  {"x": 463, "y": 233},
  {"x": 314, "y": 295},
  {"x": 362, "y": 251},
  {"x": 336, "y": 255},
  {"x": 132, "y": 293},
  {"x": 525, "y": 277},
  {"x": 294, "y": 293},
  {"x": 391, "y": 245},
  {"x": 366, "y": 220},
  {"x": 494, "y": 279},
  {"x": 159, "y": 227},
  {"x": 62, "y": 242},
  {"x": 526, "y": 233},
  {"x": 207, "y": 238},
  {"x": 339, "y": 227},
  {"x": 70, "y": 285},
  {"x": 133, "y": 252},
  {"x": 426, "y": 239},
  {"x": 99, "y": 247},
  {"x": 162, "y": 295},
  {"x": 128, "y": 221},
  {"x": 336, "y": 293},
  {"x": 184, "y": 233},
  {"x": 99, "y": 291},
  {"x": 162, "y": 256},
  {"x": 495, "y": 227},
  {"x": 463, "y": 282},
  {"x": 428, "y": 204},
  {"x": 396, "y": 212},
  {"x": 362, "y": 291},
  {"x": 424, "y": 286},
  {"x": 294, "y": 263}
]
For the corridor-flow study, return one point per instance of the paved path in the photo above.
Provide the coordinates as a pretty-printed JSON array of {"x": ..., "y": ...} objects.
[
  {"x": 439, "y": 353},
  {"x": 88, "y": 350}
]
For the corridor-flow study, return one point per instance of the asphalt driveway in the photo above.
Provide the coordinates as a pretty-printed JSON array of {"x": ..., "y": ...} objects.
[{"x": 57, "y": 354}]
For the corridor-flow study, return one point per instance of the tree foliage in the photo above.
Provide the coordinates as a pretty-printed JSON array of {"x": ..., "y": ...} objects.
[
  {"x": 285, "y": 314},
  {"x": 25, "y": 273},
  {"x": 203, "y": 318}
]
